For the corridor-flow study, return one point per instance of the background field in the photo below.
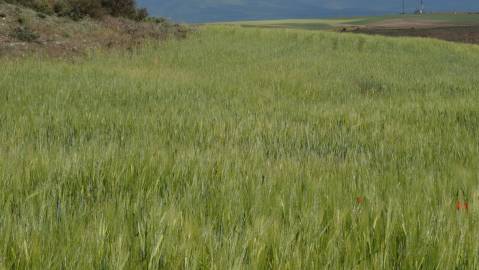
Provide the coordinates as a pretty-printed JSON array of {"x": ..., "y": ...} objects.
[
  {"x": 460, "y": 27},
  {"x": 460, "y": 19},
  {"x": 243, "y": 149}
]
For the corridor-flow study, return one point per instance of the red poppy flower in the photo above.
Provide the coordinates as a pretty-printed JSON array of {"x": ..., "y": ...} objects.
[
  {"x": 462, "y": 206},
  {"x": 458, "y": 206},
  {"x": 360, "y": 200}
]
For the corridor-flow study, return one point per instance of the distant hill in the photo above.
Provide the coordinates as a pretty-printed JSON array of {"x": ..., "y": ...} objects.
[
  {"x": 193, "y": 11},
  {"x": 232, "y": 10}
]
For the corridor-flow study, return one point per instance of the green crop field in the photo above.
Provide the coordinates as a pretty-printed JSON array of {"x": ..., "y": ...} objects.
[{"x": 243, "y": 148}]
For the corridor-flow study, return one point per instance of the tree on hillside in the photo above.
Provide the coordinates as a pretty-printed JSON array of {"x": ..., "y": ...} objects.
[
  {"x": 80, "y": 8},
  {"x": 120, "y": 8}
]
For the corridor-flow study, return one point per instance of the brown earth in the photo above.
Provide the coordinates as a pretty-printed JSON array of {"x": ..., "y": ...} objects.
[
  {"x": 421, "y": 28},
  {"x": 464, "y": 34},
  {"x": 24, "y": 31}
]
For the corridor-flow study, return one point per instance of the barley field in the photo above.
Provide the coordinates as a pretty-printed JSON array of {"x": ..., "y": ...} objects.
[{"x": 242, "y": 148}]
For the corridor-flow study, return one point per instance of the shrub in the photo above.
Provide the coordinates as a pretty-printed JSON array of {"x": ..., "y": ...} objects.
[
  {"x": 141, "y": 14},
  {"x": 81, "y": 8},
  {"x": 159, "y": 20},
  {"x": 24, "y": 33},
  {"x": 43, "y": 6},
  {"x": 120, "y": 8},
  {"x": 61, "y": 8},
  {"x": 41, "y": 15}
]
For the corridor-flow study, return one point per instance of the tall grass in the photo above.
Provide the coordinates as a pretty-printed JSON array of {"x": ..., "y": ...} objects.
[{"x": 243, "y": 149}]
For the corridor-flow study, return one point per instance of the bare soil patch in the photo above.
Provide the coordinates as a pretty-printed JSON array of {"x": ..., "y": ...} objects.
[{"x": 464, "y": 34}]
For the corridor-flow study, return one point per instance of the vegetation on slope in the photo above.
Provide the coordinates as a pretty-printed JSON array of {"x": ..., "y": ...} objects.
[
  {"x": 24, "y": 31},
  {"x": 77, "y": 9},
  {"x": 243, "y": 148}
]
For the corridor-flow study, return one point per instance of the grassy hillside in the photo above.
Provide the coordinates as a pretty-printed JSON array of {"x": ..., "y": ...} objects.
[
  {"x": 24, "y": 30},
  {"x": 243, "y": 148}
]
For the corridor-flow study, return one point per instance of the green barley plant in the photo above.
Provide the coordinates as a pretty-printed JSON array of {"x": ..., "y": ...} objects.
[{"x": 243, "y": 148}]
